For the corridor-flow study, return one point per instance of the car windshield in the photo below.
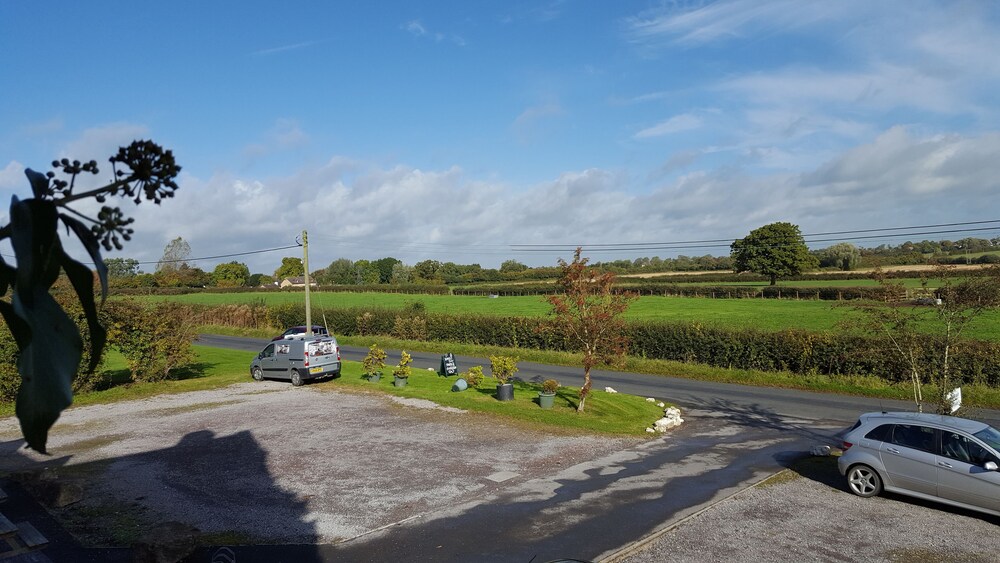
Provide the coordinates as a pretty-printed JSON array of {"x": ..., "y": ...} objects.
[{"x": 989, "y": 435}]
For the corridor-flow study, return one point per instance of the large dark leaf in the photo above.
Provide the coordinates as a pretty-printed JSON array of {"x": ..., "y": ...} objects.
[
  {"x": 39, "y": 183},
  {"x": 51, "y": 354},
  {"x": 93, "y": 247},
  {"x": 35, "y": 241},
  {"x": 7, "y": 276},
  {"x": 83, "y": 282},
  {"x": 47, "y": 365}
]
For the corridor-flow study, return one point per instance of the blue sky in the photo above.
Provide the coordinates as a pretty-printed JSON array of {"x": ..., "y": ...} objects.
[{"x": 451, "y": 130}]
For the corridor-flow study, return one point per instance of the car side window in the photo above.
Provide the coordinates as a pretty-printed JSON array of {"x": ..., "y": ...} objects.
[
  {"x": 955, "y": 446},
  {"x": 912, "y": 436},
  {"x": 880, "y": 433},
  {"x": 268, "y": 351},
  {"x": 283, "y": 348},
  {"x": 980, "y": 455}
]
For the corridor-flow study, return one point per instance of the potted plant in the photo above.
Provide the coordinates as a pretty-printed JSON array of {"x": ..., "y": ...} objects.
[
  {"x": 374, "y": 363},
  {"x": 504, "y": 367},
  {"x": 401, "y": 372},
  {"x": 547, "y": 396}
]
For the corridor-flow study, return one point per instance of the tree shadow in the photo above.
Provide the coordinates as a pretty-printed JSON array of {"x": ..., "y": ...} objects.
[{"x": 220, "y": 485}]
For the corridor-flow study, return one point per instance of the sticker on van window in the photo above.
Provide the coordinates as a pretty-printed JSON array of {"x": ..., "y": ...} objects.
[{"x": 283, "y": 348}]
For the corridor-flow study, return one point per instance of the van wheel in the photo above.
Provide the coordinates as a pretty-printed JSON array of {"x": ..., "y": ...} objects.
[
  {"x": 257, "y": 374},
  {"x": 296, "y": 377}
]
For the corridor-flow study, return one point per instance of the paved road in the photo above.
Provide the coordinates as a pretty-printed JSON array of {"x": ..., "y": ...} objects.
[{"x": 688, "y": 393}]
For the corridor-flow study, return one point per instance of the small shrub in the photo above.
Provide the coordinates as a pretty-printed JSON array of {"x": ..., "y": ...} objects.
[
  {"x": 402, "y": 370},
  {"x": 503, "y": 367},
  {"x": 474, "y": 376},
  {"x": 374, "y": 362},
  {"x": 550, "y": 386}
]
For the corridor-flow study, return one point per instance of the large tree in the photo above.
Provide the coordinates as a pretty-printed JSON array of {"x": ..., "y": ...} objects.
[
  {"x": 122, "y": 267},
  {"x": 142, "y": 170},
  {"x": 231, "y": 274},
  {"x": 774, "y": 250},
  {"x": 844, "y": 256},
  {"x": 384, "y": 267},
  {"x": 588, "y": 313},
  {"x": 290, "y": 268}
]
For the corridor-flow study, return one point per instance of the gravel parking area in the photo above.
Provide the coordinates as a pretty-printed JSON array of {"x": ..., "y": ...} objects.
[
  {"x": 266, "y": 462},
  {"x": 806, "y": 514}
]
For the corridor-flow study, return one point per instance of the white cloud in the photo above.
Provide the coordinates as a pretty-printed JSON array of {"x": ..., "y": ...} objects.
[
  {"x": 12, "y": 177},
  {"x": 284, "y": 135},
  {"x": 727, "y": 19},
  {"x": 415, "y": 27},
  {"x": 676, "y": 124}
]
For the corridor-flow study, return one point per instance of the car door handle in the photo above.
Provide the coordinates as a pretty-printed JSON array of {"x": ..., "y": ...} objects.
[
  {"x": 892, "y": 450},
  {"x": 945, "y": 464}
]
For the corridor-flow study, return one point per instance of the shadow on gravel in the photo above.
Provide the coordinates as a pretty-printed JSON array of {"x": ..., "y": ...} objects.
[{"x": 220, "y": 484}]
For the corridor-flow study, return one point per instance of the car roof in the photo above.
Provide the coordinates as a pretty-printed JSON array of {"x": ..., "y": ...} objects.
[{"x": 964, "y": 424}]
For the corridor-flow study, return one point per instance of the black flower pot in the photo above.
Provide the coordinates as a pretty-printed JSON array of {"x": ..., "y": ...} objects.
[{"x": 505, "y": 392}]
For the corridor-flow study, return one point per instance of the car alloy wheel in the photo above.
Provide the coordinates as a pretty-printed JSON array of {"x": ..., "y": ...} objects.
[
  {"x": 257, "y": 374},
  {"x": 864, "y": 481}
]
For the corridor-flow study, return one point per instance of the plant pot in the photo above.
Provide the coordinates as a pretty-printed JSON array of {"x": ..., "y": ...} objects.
[
  {"x": 505, "y": 392},
  {"x": 399, "y": 381},
  {"x": 546, "y": 400},
  {"x": 460, "y": 385},
  {"x": 374, "y": 377}
]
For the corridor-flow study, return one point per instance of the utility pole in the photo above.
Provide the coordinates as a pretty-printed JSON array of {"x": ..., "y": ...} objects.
[{"x": 305, "y": 264}]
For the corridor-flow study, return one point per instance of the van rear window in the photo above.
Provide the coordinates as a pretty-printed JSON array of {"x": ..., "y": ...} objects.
[{"x": 320, "y": 348}]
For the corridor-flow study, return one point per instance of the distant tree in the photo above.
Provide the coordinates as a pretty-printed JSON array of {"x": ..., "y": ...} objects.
[
  {"x": 589, "y": 315},
  {"x": 257, "y": 280},
  {"x": 843, "y": 256},
  {"x": 511, "y": 266},
  {"x": 175, "y": 255},
  {"x": 121, "y": 267},
  {"x": 384, "y": 267},
  {"x": 401, "y": 273},
  {"x": 231, "y": 274},
  {"x": 291, "y": 267},
  {"x": 774, "y": 250},
  {"x": 339, "y": 272},
  {"x": 365, "y": 273}
]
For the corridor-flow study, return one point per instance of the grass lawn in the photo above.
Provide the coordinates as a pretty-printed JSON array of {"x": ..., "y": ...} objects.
[{"x": 216, "y": 367}]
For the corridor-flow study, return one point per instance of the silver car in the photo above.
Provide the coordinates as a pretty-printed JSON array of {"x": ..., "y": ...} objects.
[{"x": 929, "y": 456}]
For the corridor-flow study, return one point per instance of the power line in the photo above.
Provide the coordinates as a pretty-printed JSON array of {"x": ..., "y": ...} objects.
[
  {"x": 721, "y": 243},
  {"x": 207, "y": 257}
]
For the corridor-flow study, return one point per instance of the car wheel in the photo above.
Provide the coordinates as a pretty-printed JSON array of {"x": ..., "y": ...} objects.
[
  {"x": 864, "y": 481},
  {"x": 257, "y": 374},
  {"x": 296, "y": 377}
]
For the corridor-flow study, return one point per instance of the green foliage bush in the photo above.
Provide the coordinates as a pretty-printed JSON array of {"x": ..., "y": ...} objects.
[
  {"x": 474, "y": 376},
  {"x": 153, "y": 339}
]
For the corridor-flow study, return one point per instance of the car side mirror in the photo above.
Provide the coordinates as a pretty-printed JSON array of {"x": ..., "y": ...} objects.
[{"x": 990, "y": 466}]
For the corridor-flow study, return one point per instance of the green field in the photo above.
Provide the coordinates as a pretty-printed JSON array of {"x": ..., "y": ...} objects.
[{"x": 763, "y": 314}]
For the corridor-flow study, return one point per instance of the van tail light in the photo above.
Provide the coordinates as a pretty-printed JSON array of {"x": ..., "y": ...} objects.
[
  {"x": 306, "y": 363},
  {"x": 846, "y": 446},
  {"x": 338, "y": 353}
]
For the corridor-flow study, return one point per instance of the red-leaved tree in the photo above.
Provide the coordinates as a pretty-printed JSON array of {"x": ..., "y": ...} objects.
[{"x": 589, "y": 314}]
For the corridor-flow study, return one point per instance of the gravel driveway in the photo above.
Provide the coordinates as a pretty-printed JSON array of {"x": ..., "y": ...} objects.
[
  {"x": 806, "y": 514},
  {"x": 269, "y": 463},
  {"x": 266, "y": 462}
]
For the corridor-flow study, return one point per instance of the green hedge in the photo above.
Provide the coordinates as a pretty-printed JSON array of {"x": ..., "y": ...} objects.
[
  {"x": 797, "y": 351},
  {"x": 676, "y": 290}
]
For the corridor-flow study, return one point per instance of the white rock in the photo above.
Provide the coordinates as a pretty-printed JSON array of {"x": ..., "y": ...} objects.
[
  {"x": 609, "y": 390},
  {"x": 650, "y": 400},
  {"x": 821, "y": 451},
  {"x": 648, "y": 429},
  {"x": 661, "y": 405}
]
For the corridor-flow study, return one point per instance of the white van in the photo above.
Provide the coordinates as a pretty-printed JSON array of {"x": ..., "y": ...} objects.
[{"x": 312, "y": 357}]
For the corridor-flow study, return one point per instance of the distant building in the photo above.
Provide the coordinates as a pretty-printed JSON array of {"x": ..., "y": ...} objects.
[{"x": 296, "y": 282}]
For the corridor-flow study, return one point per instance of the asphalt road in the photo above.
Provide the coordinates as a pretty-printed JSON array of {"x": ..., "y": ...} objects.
[{"x": 687, "y": 393}]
